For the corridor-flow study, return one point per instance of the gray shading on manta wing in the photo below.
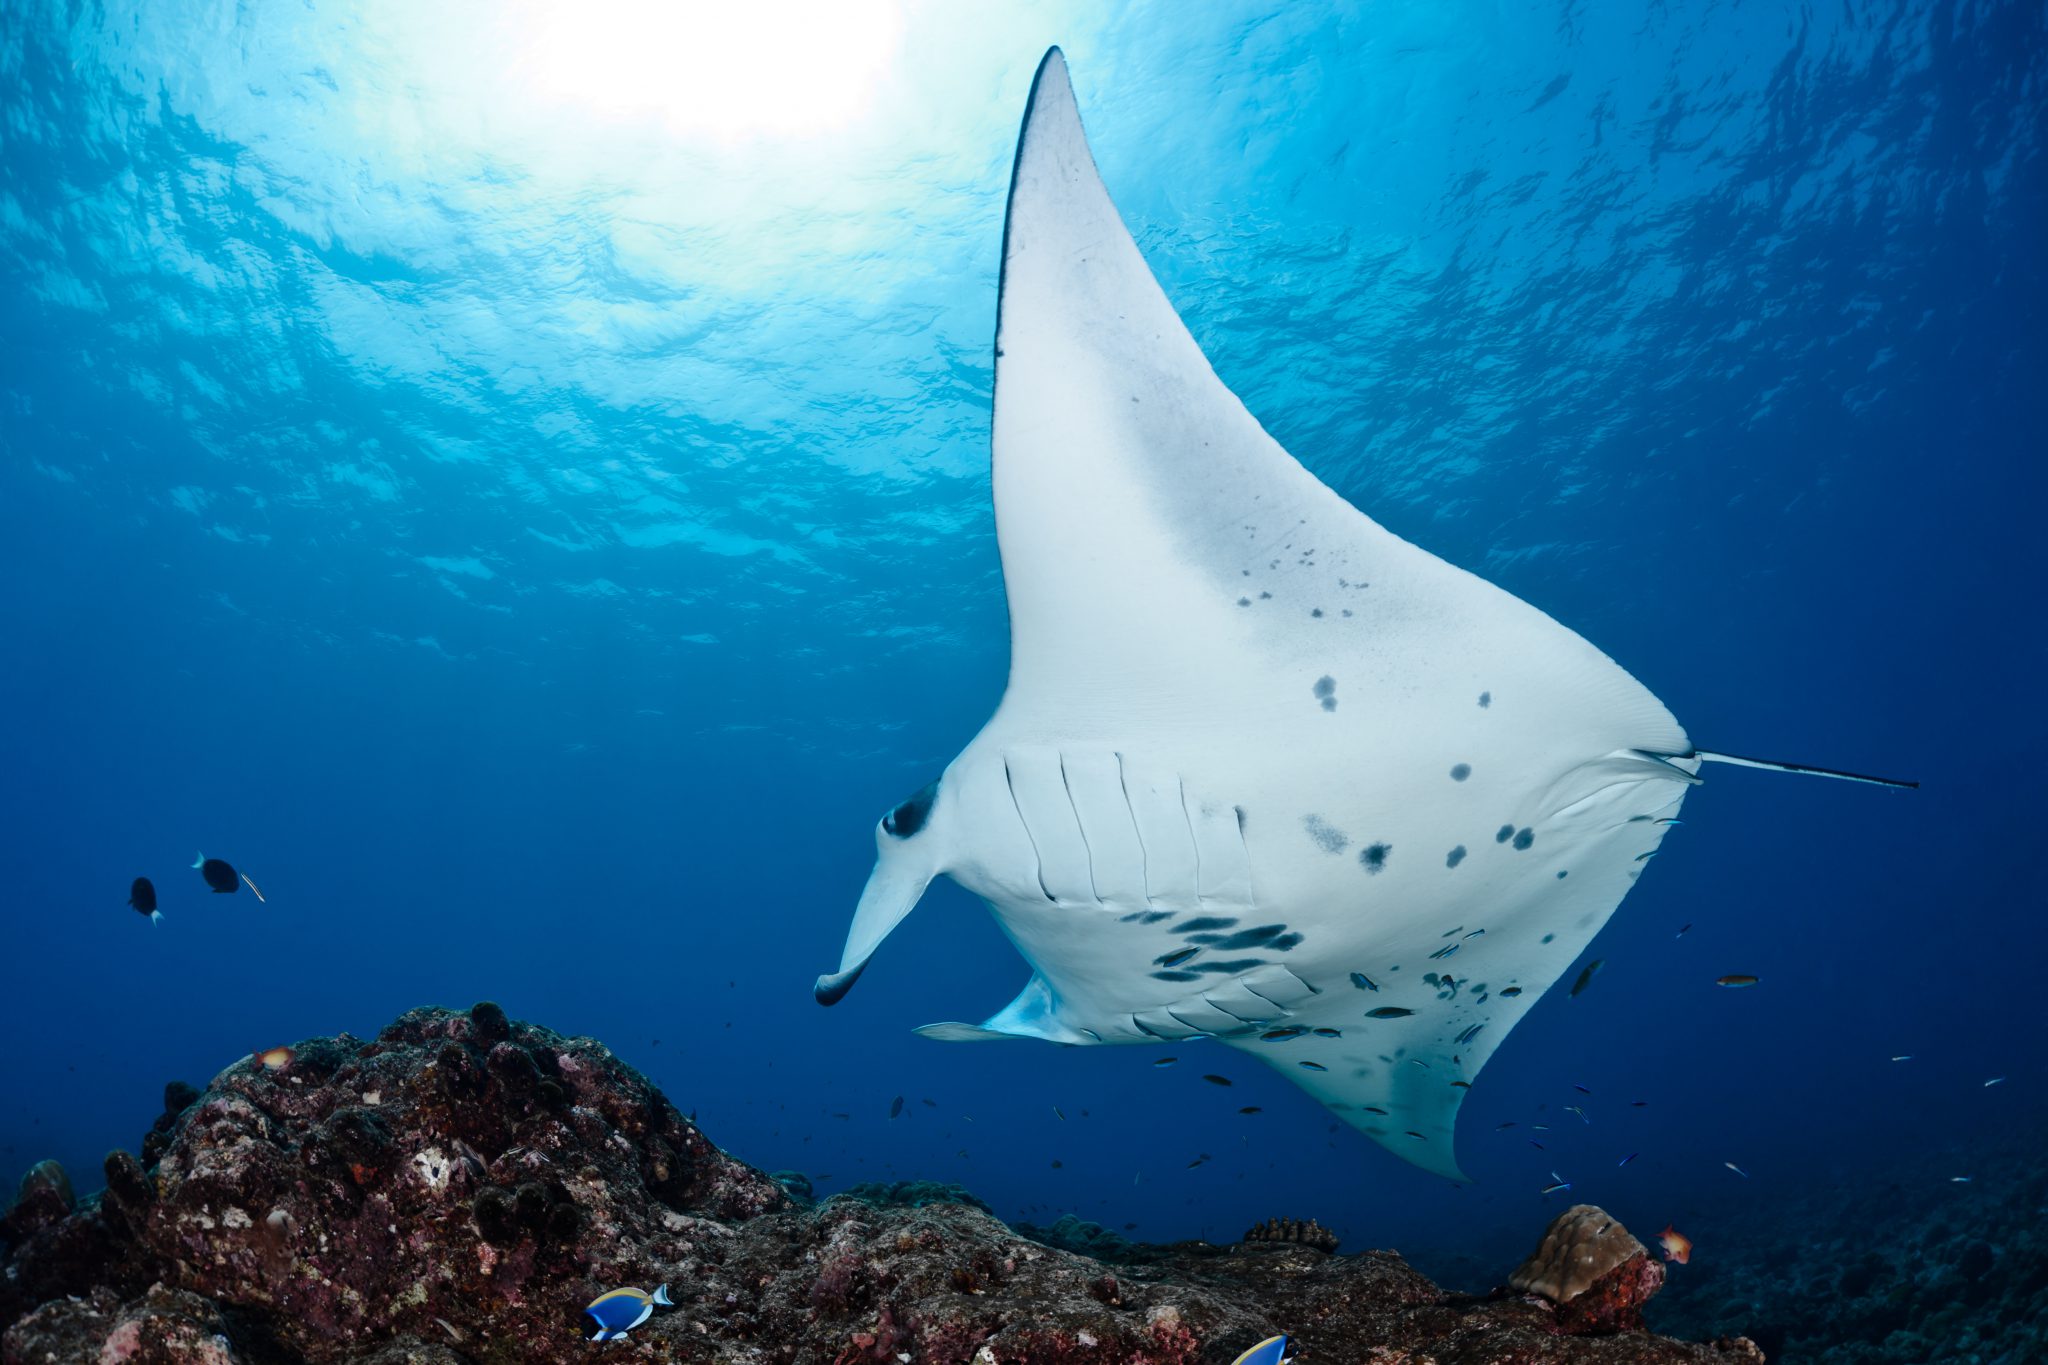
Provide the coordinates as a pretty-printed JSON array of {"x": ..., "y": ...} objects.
[{"x": 1168, "y": 813}]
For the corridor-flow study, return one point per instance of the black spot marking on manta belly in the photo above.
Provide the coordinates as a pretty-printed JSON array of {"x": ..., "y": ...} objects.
[
  {"x": 1512, "y": 991},
  {"x": 1253, "y": 938},
  {"x": 1206, "y": 940},
  {"x": 1503, "y": 834},
  {"x": 1264, "y": 596},
  {"x": 1285, "y": 942},
  {"x": 1374, "y": 857},
  {"x": 1230, "y": 968},
  {"x": 1327, "y": 837},
  {"x": 1326, "y": 692},
  {"x": 1562, "y": 874},
  {"x": 1244, "y": 601},
  {"x": 1524, "y": 837},
  {"x": 1455, "y": 856},
  {"x": 1175, "y": 958},
  {"x": 1485, "y": 699},
  {"x": 1154, "y": 916},
  {"x": 1548, "y": 937},
  {"x": 1194, "y": 926},
  {"x": 1460, "y": 771},
  {"x": 1315, "y": 611},
  {"x": 1175, "y": 976}
]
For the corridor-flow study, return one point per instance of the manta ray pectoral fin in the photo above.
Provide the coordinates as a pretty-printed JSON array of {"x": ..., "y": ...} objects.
[
  {"x": 953, "y": 1031},
  {"x": 1774, "y": 766},
  {"x": 1030, "y": 1015}
]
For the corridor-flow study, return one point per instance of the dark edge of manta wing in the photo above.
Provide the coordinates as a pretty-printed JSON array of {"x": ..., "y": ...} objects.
[
  {"x": 1010, "y": 204},
  {"x": 1807, "y": 769}
]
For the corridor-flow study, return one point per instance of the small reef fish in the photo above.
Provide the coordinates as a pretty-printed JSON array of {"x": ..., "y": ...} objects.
[
  {"x": 1166, "y": 1061},
  {"x": 252, "y": 887},
  {"x": 142, "y": 900},
  {"x": 1677, "y": 1246},
  {"x": 1737, "y": 1169},
  {"x": 1736, "y": 981},
  {"x": 1630, "y": 1157},
  {"x": 1682, "y": 930},
  {"x": 1057, "y": 1114},
  {"x": 1502, "y": 1128},
  {"x": 1388, "y": 1012},
  {"x": 620, "y": 1311},
  {"x": 1959, "y": 1180},
  {"x": 1328, "y": 1032},
  {"x": 1995, "y": 1080},
  {"x": 1251, "y": 1109},
  {"x": 1271, "y": 1351},
  {"x": 1198, "y": 1161},
  {"x": 1217, "y": 1080},
  {"x": 1574, "y": 1109},
  {"x": 1586, "y": 976},
  {"x": 1312, "y": 1066},
  {"x": 895, "y": 1106},
  {"x": 276, "y": 1058},
  {"x": 1906, "y": 1058},
  {"x": 1583, "y": 1090},
  {"x": 219, "y": 875},
  {"x": 1560, "y": 1185}
]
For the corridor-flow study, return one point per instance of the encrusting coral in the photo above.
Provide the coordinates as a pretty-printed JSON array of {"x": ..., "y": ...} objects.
[
  {"x": 1308, "y": 1234},
  {"x": 454, "y": 1191}
]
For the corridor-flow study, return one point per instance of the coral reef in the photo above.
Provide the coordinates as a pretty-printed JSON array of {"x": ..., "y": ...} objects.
[
  {"x": 1308, "y": 1234},
  {"x": 1595, "y": 1273},
  {"x": 1900, "y": 1264},
  {"x": 453, "y": 1193}
]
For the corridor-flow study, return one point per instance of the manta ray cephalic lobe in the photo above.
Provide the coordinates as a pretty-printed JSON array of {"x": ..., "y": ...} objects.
[{"x": 1263, "y": 772}]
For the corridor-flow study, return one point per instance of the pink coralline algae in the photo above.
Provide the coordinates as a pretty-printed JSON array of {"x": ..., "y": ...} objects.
[{"x": 456, "y": 1190}]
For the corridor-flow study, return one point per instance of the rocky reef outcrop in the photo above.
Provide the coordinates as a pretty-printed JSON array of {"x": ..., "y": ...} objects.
[{"x": 457, "y": 1189}]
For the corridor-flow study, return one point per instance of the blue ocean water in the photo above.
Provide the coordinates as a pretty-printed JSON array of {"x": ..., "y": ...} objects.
[{"x": 513, "y": 479}]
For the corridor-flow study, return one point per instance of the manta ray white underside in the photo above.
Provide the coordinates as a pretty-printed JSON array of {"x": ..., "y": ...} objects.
[{"x": 1263, "y": 772}]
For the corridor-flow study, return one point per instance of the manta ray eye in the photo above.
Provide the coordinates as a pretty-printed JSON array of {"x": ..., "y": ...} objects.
[{"x": 908, "y": 818}]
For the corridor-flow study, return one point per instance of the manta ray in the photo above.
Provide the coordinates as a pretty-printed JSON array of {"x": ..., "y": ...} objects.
[{"x": 1263, "y": 772}]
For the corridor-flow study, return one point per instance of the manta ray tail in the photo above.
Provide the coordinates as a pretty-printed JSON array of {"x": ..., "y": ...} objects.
[{"x": 1774, "y": 766}]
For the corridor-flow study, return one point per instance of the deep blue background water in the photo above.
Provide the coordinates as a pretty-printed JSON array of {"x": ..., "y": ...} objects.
[{"x": 535, "y": 522}]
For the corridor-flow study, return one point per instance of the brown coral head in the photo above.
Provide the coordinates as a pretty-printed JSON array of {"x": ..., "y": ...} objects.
[
  {"x": 1307, "y": 1233},
  {"x": 1593, "y": 1270}
]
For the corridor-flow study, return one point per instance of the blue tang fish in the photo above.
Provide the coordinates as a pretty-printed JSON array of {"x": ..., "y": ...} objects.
[
  {"x": 1271, "y": 1351},
  {"x": 620, "y": 1311}
]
